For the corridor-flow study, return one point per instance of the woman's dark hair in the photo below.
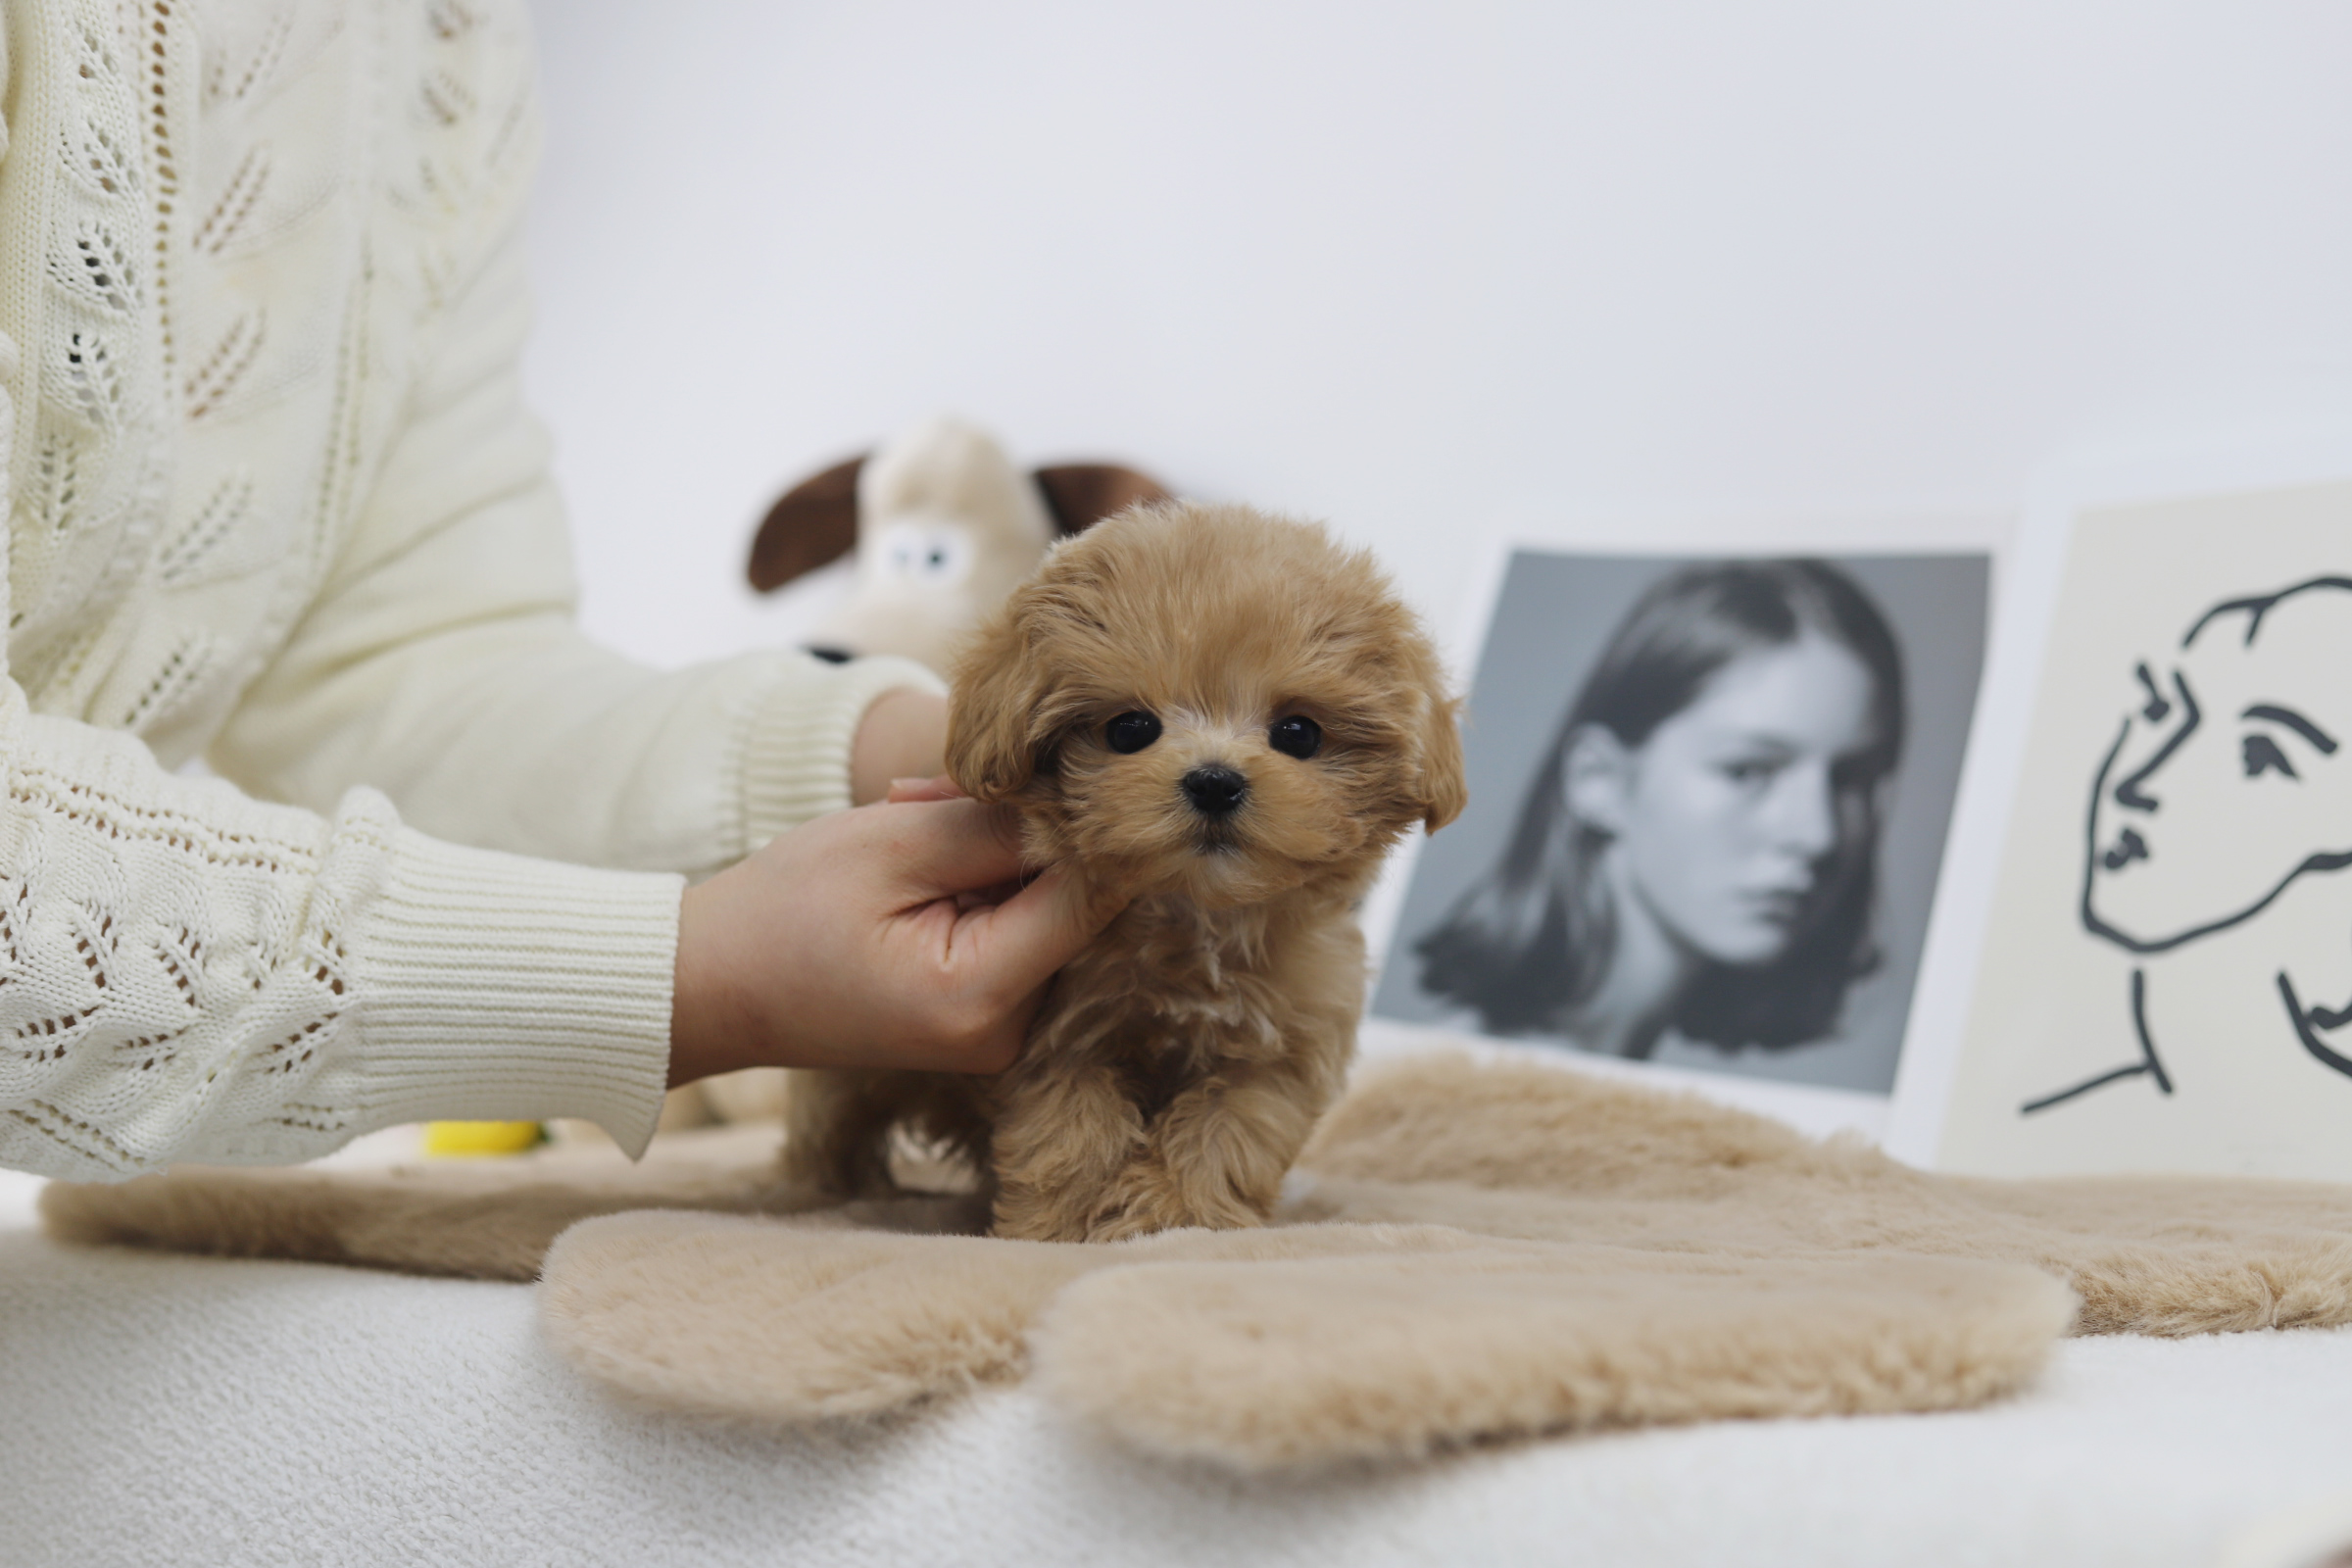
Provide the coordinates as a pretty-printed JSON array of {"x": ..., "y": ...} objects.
[{"x": 1534, "y": 938}]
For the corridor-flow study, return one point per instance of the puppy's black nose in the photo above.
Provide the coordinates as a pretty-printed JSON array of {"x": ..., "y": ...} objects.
[{"x": 1215, "y": 790}]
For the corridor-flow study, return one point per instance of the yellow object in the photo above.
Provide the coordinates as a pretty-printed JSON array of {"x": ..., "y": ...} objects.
[{"x": 465, "y": 1139}]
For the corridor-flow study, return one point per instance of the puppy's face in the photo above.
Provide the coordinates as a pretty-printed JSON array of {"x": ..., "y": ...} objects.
[{"x": 1210, "y": 702}]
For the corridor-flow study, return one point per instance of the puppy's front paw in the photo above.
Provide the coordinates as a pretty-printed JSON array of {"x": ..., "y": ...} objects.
[
  {"x": 1148, "y": 1197},
  {"x": 1026, "y": 1214}
]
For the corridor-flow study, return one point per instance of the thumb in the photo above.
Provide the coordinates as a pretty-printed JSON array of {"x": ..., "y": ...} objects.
[
  {"x": 955, "y": 845},
  {"x": 1043, "y": 926}
]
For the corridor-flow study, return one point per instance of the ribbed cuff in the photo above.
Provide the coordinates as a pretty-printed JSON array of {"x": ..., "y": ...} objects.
[
  {"x": 796, "y": 751},
  {"x": 497, "y": 987}
]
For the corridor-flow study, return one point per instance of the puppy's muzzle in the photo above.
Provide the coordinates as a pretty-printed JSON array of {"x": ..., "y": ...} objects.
[{"x": 1216, "y": 791}]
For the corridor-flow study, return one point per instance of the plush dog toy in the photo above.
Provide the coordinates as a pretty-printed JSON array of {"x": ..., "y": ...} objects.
[
  {"x": 1227, "y": 719},
  {"x": 944, "y": 526}
]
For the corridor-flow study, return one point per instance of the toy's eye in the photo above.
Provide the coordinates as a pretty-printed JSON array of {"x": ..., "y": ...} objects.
[
  {"x": 910, "y": 552},
  {"x": 2262, "y": 753},
  {"x": 1296, "y": 736},
  {"x": 1131, "y": 732}
]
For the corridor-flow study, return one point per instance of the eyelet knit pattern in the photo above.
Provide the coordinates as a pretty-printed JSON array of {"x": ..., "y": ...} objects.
[{"x": 273, "y": 498}]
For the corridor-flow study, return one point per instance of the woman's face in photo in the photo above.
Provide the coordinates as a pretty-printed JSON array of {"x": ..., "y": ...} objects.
[{"x": 1732, "y": 817}]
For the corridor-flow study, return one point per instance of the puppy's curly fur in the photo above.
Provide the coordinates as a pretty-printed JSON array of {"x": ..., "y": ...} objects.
[{"x": 1178, "y": 1064}]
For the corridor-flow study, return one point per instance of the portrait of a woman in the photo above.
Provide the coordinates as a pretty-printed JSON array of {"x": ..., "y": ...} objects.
[{"x": 1696, "y": 850}]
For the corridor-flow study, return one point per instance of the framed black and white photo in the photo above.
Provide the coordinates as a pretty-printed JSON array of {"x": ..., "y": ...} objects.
[
  {"x": 1708, "y": 802},
  {"x": 2149, "y": 963}
]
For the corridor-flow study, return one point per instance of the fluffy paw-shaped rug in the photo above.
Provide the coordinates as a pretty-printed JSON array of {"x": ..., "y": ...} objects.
[{"x": 1469, "y": 1253}]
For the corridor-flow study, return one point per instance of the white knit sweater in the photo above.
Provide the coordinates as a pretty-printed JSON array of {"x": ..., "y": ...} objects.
[{"x": 273, "y": 500}]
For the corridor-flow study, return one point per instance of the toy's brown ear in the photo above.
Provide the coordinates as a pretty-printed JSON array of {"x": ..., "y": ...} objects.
[
  {"x": 995, "y": 708},
  {"x": 813, "y": 524},
  {"x": 1444, "y": 792},
  {"x": 1082, "y": 494}
]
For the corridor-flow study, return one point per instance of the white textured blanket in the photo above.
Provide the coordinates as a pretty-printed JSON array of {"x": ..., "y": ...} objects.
[{"x": 157, "y": 1409}]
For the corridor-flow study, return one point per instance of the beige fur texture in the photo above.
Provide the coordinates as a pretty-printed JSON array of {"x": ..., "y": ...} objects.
[
  {"x": 1282, "y": 1347},
  {"x": 471, "y": 1219},
  {"x": 1470, "y": 1253},
  {"x": 1177, "y": 1063}
]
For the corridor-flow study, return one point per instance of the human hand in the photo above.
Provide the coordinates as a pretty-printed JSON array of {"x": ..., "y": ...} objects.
[
  {"x": 897, "y": 935},
  {"x": 938, "y": 788}
]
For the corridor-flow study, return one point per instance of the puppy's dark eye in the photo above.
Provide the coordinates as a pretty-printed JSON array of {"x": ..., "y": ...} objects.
[
  {"x": 1131, "y": 732},
  {"x": 1296, "y": 736}
]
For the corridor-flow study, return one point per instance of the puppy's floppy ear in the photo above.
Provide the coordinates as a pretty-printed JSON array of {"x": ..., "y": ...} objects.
[
  {"x": 1443, "y": 793},
  {"x": 995, "y": 712},
  {"x": 811, "y": 524}
]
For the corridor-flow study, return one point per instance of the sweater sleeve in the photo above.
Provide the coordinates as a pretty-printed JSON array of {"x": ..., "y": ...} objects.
[
  {"x": 192, "y": 971},
  {"x": 441, "y": 664},
  {"x": 187, "y": 973}
]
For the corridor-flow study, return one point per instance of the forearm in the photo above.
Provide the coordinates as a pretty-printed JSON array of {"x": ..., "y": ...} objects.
[
  {"x": 439, "y": 660},
  {"x": 190, "y": 975},
  {"x": 522, "y": 736},
  {"x": 902, "y": 736}
]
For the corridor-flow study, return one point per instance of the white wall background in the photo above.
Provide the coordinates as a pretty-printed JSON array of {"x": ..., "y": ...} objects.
[{"x": 1432, "y": 270}]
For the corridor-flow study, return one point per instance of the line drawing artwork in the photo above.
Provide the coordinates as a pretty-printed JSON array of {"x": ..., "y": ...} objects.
[{"x": 2226, "y": 784}]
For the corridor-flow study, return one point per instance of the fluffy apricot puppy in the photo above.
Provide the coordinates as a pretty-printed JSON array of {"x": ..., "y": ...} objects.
[{"x": 1226, "y": 719}]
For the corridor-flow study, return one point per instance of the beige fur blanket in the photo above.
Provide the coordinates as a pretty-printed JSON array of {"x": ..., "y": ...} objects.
[{"x": 1468, "y": 1253}]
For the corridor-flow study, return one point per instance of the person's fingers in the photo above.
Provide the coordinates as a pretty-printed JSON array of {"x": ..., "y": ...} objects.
[
  {"x": 1001, "y": 1045},
  {"x": 957, "y": 846},
  {"x": 939, "y": 788},
  {"x": 985, "y": 897},
  {"x": 1039, "y": 929}
]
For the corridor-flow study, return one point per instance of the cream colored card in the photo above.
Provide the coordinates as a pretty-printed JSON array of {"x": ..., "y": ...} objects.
[{"x": 2163, "y": 976}]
